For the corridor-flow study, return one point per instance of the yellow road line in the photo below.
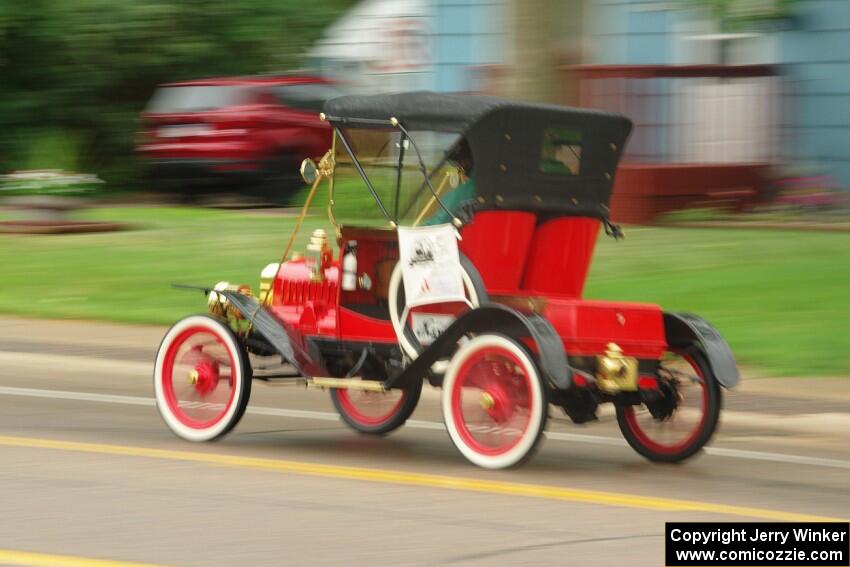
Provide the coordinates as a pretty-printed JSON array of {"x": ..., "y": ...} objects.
[
  {"x": 28, "y": 559},
  {"x": 421, "y": 479}
]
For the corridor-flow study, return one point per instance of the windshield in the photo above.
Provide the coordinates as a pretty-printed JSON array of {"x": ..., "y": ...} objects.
[
  {"x": 197, "y": 98},
  {"x": 391, "y": 164}
]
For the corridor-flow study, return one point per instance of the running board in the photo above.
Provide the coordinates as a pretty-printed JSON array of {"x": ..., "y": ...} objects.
[
  {"x": 275, "y": 378},
  {"x": 347, "y": 384}
]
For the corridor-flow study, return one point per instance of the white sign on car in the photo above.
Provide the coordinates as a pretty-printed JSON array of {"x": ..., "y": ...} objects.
[{"x": 430, "y": 264}]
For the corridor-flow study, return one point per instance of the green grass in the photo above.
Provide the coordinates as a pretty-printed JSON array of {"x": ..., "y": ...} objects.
[
  {"x": 127, "y": 276},
  {"x": 782, "y": 299}
]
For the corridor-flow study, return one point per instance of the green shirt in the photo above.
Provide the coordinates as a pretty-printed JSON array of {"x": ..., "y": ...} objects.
[{"x": 453, "y": 200}]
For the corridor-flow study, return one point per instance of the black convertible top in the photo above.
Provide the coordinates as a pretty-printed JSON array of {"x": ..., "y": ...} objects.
[
  {"x": 537, "y": 157},
  {"x": 421, "y": 110}
]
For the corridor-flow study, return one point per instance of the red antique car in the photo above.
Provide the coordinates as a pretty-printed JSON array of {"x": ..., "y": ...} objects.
[{"x": 464, "y": 228}]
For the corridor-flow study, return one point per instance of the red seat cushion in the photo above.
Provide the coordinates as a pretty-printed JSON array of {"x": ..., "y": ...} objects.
[
  {"x": 560, "y": 255},
  {"x": 497, "y": 244}
]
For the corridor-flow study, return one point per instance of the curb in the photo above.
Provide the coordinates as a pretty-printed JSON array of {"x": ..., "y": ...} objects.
[{"x": 827, "y": 424}]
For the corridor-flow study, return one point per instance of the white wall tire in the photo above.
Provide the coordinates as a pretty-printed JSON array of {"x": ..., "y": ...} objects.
[
  {"x": 202, "y": 380},
  {"x": 472, "y": 285},
  {"x": 376, "y": 413},
  {"x": 496, "y": 373}
]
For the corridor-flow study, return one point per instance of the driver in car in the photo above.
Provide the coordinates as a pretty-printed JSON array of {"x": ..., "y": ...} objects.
[{"x": 464, "y": 193}]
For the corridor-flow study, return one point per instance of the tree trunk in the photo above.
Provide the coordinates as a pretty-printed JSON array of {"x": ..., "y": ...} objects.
[{"x": 533, "y": 24}]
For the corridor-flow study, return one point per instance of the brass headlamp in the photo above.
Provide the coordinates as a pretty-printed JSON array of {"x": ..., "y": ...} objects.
[
  {"x": 217, "y": 303},
  {"x": 267, "y": 277}
]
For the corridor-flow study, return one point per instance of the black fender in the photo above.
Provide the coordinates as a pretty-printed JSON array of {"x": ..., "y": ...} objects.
[
  {"x": 295, "y": 348},
  {"x": 551, "y": 358},
  {"x": 685, "y": 329}
]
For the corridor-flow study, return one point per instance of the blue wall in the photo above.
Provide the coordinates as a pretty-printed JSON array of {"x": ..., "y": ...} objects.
[
  {"x": 630, "y": 32},
  {"x": 467, "y": 33},
  {"x": 817, "y": 54}
]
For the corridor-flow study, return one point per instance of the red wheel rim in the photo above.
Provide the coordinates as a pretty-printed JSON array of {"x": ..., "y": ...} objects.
[
  {"x": 198, "y": 377},
  {"x": 680, "y": 430},
  {"x": 371, "y": 409},
  {"x": 491, "y": 401}
]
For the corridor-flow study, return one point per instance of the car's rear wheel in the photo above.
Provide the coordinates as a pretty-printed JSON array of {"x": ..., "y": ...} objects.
[
  {"x": 376, "y": 413},
  {"x": 202, "y": 380},
  {"x": 681, "y": 416},
  {"x": 281, "y": 181},
  {"x": 494, "y": 402}
]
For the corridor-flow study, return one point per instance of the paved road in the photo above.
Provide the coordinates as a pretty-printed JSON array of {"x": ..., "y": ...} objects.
[{"x": 90, "y": 472}]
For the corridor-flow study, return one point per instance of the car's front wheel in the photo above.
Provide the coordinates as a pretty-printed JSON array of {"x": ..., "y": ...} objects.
[{"x": 202, "y": 379}]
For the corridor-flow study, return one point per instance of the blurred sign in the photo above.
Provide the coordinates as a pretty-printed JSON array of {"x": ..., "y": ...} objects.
[
  {"x": 379, "y": 46},
  {"x": 407, "y": 46}
]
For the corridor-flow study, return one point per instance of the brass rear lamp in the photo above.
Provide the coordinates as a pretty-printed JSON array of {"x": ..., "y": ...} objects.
[{"x": 616, "y": 372}]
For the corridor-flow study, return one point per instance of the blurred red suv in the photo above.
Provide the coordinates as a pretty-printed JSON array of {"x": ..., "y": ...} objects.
[{"x": 251, "y": 132}]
